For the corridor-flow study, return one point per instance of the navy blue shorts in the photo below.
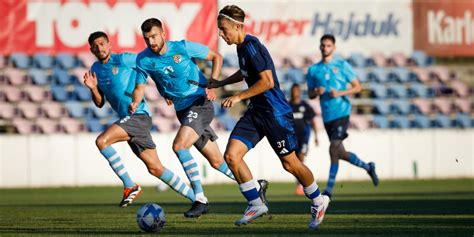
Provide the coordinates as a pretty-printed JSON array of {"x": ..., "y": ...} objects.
[
  {"x": 337, "y": 129},
  {"x": 279, "y": 130}
]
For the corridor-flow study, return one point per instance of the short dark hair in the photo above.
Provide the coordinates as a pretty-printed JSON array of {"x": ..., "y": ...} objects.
[
  {"x": 96, "y": 35},
  {"x": 328, "y": 37},
  {"x": 149, "y": 23},
  {"x": 295, "y": 85},
  {"x": 233, "y": 12}
]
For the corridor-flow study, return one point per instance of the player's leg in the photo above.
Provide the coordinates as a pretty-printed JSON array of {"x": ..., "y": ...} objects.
[
  {"x": 154, "y": 166},
  {"x": 115, "y": 133},
  {"x": 339, "y": 133},
  {"x": 111, "y": 135},
  {"x": 234, "y": 156},
  {"x": 354, "y": 160},
  {"x": 208, "y": 147},
  {"x": 181, "y": 146},
  {"x": 319, "y": 202},
  {"x": 243, "y": 138},
  {"x": 210, "y": 150},
  {"x": 281, "y": 136},
  {"x": 334, "y": 154}
]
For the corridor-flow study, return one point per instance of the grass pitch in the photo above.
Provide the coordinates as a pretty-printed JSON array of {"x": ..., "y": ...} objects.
[{"x": 403, "y": 208}]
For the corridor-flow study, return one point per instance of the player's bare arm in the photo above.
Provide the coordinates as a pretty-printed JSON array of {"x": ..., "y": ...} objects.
[
  {"x": 355, "y": 88},
  {"x": 265, "y": 83},
  {"x": 90, "y": 80},
  {"x": 138, "y": 94},
  {"x": 216, "y": 59}
]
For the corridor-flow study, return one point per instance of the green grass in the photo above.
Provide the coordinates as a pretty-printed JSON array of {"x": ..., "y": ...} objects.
[{"x": 404, "y": 208}]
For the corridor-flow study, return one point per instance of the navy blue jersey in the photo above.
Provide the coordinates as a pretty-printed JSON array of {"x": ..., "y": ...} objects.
[
  {"x": 303, "y": 114},
  {"x": 254, "y": 58}
]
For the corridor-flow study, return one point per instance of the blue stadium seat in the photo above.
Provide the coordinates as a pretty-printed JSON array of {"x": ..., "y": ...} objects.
[
  {"x": 361, "y": 75},
  {"x": 381, "y": 121},
  {"x": 62, "y": 77},
  {"x": 399, "y": 74},
  {"x": 38, "y": 76},
  {"x": 66, "y": 60},
  {"x": 463, "y": 120},
  {"x": 94, "y": 125},
  {"x": 381, "y": 107},
  {"x": 401, "y": 107},
  {"x": 75, "y": 109},
  {"x": 421, "y": 121},
  {"x": 378, "y": 90},
  {"x": 43, "y": 61},
  {"x": 295, "y": 75},
  {"x": 398, "y": 91},
  {"x": 82, "y": 93},
  {"x": 20, "y": 60},
  {"x": 378, "y": 74},
  {"x": 357, "y": 60},
  {"x": 227, "y": 122},
  {"x": 420, "y": 90},
  {"x": 421, "y": 59},
  {"x": 97, "y": 112},
  {"x": 442, "y": 121},
  {"x": 400, "y": 122},
  {"x": 60, "y": 94}
]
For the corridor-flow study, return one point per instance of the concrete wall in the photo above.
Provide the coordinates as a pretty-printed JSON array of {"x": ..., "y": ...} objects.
[{"x": 73, "y": 160}]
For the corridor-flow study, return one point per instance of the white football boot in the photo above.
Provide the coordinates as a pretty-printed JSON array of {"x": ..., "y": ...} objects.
[
  {"x": 318, "y": 212},
  {"x": 252, "y": 213}
]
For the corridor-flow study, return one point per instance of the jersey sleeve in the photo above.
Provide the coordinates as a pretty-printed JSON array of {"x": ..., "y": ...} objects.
[
  {"x": 129, "y": 59},
  {"x": 348, "y": 72},
  {"x": 260, "y": 58},
  {"x": 196, "y": 50},
  {"x": 142, "y": 74}
]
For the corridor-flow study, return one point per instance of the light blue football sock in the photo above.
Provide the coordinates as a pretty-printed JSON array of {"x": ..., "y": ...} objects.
[
  {"x": 116, "y": 163},
  {"x": 175, "y": 182},
  {"x": 224, "y": 168},
  {"x": 353, "y": 159}
]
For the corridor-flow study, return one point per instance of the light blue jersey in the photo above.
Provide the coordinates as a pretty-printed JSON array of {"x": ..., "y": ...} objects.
[
  {"x": 176, "y": 75},
  {"x": 334, "y": 75},
  {"x": 116, "y": 79}
]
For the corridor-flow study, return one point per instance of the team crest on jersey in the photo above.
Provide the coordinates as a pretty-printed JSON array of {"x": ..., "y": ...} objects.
[
  {"x": 177, "y": 58},
  {"x": 335, "y": 70},
  {"x": 114, "y": 70}
]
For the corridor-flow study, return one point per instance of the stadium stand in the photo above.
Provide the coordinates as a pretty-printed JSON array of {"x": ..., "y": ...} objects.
[{"x": 45, "y": 94}]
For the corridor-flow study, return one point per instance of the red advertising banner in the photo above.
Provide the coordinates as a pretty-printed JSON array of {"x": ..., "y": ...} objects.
[
  {"x": 54, "y": 26},
  {"x": 444, "y": 27}
]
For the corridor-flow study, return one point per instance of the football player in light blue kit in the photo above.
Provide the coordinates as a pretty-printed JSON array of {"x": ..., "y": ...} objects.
[
  {"x": 328, "y": 80},
  {"x": 178, "y": 79},
  {"x": 112, "y": 78}
]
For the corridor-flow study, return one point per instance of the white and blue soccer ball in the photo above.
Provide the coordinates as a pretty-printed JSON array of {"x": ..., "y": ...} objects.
[{"x": 151, "y": 217}]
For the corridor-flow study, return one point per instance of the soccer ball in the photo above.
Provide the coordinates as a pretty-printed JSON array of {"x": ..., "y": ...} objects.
[{"x": 151, "y": 217}]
